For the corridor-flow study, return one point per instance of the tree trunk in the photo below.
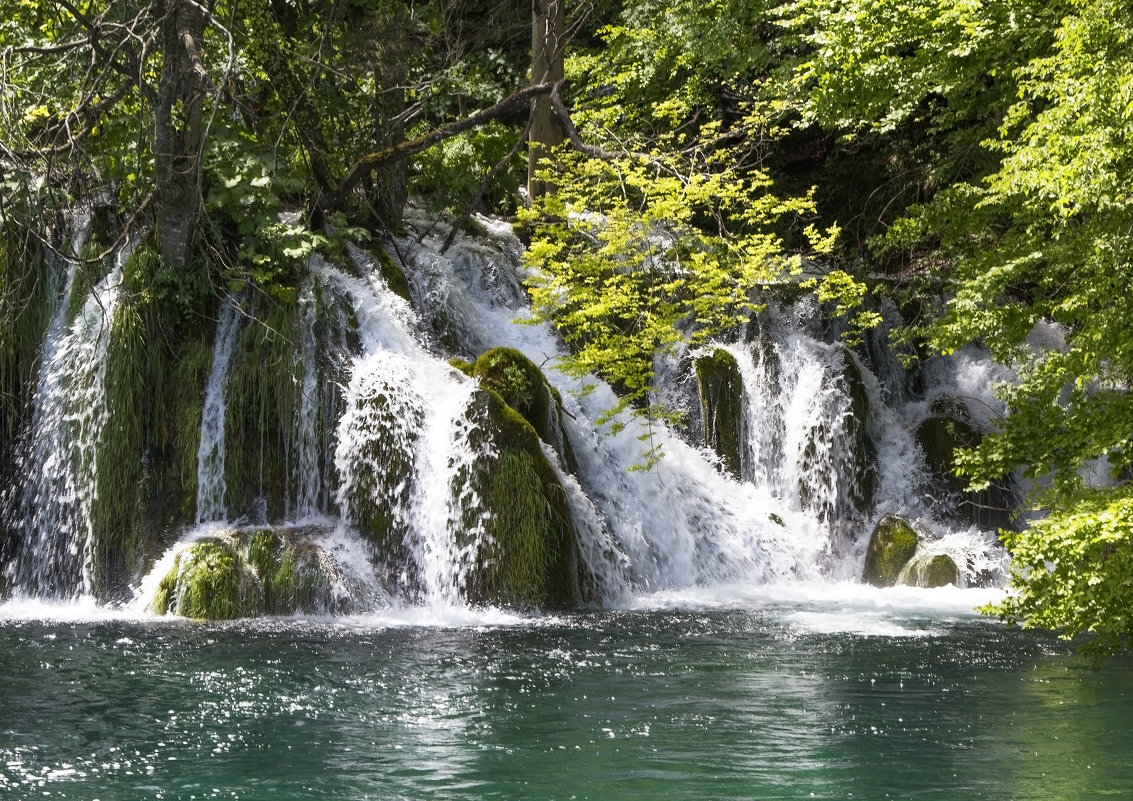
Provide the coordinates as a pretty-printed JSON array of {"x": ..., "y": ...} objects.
[
  {"x": 178, "y": 113},
  {"x": 546, "y": 67}
]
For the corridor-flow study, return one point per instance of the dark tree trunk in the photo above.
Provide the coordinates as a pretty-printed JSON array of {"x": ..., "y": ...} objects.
[
  {"x": 546, "y": 67},
  {"x": 178, "y": 112}
]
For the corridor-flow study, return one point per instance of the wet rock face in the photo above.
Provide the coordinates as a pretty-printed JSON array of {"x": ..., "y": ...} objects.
[
  {"x": 891, "y": 545},
  {"x": 721, "y": 401},
  {"x": 939, "y": 436}
]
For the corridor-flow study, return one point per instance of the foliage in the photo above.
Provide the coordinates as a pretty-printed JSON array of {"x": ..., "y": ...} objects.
[{"x": 1072, "y": 571}]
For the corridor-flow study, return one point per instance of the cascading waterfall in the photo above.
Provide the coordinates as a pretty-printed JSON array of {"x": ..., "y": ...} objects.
[
  {"x": 405, "y": 442},
  {"x": 211, "y": 484},
  {"x": 802, "y": 509},
  {"x": 59, "y": 467},
  {"x": 390, "y": 447}
]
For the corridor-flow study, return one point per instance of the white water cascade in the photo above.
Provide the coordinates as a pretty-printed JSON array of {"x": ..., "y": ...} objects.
[
  {"x": 211, "y": 483},
  {"x": 59, "y": 464},
  {"x": 388, "y": 447},
  {"x": 791, "y": 517}
]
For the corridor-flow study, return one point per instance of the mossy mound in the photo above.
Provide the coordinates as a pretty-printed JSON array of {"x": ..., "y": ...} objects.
[
  {"x": 210, "y": 580},
  {"x": 721, "y": 402},
  {"x": 246, "y": 573},
  {"x": 529, "y": 558},
  {"x": 891, "y": 545},
  {"x": 521, "y": 385},
  {"x": 930, "y": 571}
]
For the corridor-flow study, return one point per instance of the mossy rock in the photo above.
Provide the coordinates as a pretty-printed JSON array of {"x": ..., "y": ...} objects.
[
  {"x": 210, "y": 580},
  {"x": 931, "y": 571},
  {"x": 246, "y": 573},
  {"x": 292, "y": 576},
  {"x": 721, "y": 402},
  {"x": 891, "y": 545},
  {"x": 530, "y": 557},
  {"x": 520, "y": 384}
]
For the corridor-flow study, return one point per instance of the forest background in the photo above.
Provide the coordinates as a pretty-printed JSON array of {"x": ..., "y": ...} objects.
[{"x": 666, "y": 160}]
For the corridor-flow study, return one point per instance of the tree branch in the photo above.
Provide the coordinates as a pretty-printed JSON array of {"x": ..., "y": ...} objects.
[{"x": 402, "y": 150}]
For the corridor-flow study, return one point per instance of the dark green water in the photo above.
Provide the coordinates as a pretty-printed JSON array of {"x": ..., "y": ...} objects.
[{"x": 775, "y": 700}]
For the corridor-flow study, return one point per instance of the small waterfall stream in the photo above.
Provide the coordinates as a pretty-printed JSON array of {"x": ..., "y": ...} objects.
[
  {"x": 389, "y": 448},
  {"x": 59, "y": 465},
  {"x": 211, "y": 483}
]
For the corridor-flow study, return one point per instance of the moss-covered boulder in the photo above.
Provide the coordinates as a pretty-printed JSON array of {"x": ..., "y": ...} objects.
[
  {"x": 250, "y": 572},
  {"x": 529, "y": 556},
  {"x": 931, "y": 570},
  {"x": 720, "y": 388},
  {"x": 210, "y": 580},
  {"x": 521, "y": 385},
  {"x": 891, "y": 545}
]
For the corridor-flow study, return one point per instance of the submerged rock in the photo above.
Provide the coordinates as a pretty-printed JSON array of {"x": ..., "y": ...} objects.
[{"x": 891, "y": 545}]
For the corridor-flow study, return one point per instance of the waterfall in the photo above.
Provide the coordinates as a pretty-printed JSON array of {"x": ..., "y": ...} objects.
[
  {"x": 385, "y": 470},
  {"x": 405, "y": 444},
  {"x": 823, "y": 457},
  {"x": 308, "y": 476},
  {"x": 59, "y": 464},
  {"x": 211, "y": 484}
]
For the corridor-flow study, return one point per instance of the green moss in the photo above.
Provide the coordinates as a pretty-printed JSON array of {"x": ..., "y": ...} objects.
[
  {"x": 393, "y": 274},
  {"x": 263, "y": 391},
  {"x": 165, "y": 598},
  {"x": 521, "y": 528},
  {"x": 891, "y": 546},
  {"x": 520, "y": 384},
  {"x": 721, "y": 403},
  {"x": 288, "y": 582},
  {"x": 117, "y": 512},
  {"x": 463, "y": 365},
  {"x": 211, "y": 581},
  {"x": 532, "y": 557}
]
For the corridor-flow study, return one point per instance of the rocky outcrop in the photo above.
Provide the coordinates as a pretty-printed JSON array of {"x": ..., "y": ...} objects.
[
  {"x": 891, "y": 545},
  {"x": 721, "y": 402}
]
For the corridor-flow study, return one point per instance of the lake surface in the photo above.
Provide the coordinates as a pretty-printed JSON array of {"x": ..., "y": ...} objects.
[{"x": 793, "y": 694}]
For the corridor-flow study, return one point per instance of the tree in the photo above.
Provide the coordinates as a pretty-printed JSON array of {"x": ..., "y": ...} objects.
[{"x": 664, "y": 226}]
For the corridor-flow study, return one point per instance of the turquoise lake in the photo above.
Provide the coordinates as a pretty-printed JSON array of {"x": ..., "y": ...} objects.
[{"x": 870, "y": 696}]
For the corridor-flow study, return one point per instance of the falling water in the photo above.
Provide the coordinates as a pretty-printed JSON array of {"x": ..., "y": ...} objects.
[
  {"x": 307, "y": 477},
  {"x": 802, "y": 509},
  {"x": 60, "y": 464},
  {"x": 211, "y": 484},
  {"x": 405, "y": 444}
]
